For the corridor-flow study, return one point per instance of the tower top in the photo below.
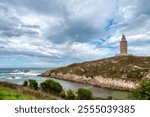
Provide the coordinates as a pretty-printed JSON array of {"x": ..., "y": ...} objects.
[{"x": 123, "y": 38}]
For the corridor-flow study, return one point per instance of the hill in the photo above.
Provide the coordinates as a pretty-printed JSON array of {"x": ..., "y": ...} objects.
[
  {"x": 10, "y": 91},
  {"x": 9, "y": 94},
  {"x": 107, "y": 72}
]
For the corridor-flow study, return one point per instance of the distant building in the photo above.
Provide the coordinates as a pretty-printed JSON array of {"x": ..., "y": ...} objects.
[{"x": 123, "y": 46}]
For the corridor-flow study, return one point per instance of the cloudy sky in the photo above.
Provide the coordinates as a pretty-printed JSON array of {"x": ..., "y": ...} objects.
[{"x": 52, "y": 33}]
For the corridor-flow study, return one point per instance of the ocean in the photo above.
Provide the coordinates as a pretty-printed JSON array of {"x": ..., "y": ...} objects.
[{"x": 19, "y": 75}]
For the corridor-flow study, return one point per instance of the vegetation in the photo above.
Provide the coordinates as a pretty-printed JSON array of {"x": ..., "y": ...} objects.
[
  {"x": 84, "y": 94},
  {"x": 9, "y": 94},
  {"x": 109, "y": 98},
  {"x": 18, "y": 92},
  {"x": 33, "y": 84},
  {"x": 51, "y": 86},
  {"x": 63, "y": 94},
  {"x": 142, "y": 91},
  {"x": 25, "y": 83},
  {"x": 124, "y": 67},
  {"x": 70, "y": 95},
  {"x": 56, "y": 70},
  {"x": 136, "y": 73}
]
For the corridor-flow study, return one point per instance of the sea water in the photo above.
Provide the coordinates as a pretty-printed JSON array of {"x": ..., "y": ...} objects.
[{"x": 19, "y": 75}]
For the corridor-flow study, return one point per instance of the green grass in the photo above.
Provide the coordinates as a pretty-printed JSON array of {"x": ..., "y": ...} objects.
[{"x": 9, "y": 94}]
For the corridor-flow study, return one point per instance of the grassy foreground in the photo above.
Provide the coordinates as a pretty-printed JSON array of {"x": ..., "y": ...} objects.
[
  {"x": 10, "y": 91},
  {"x": 9, "y": 94}
]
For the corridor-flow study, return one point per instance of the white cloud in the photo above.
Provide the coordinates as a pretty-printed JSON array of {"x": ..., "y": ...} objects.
[
  {"x": 88, "y": 51},
  {"x": 63, "y": 31},
  {"x": 95, "y": 12},
  {"x": 142, "y": 50}
]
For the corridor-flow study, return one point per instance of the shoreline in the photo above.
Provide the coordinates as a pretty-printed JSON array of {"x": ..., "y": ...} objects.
[{"x": 98, "y": 81}]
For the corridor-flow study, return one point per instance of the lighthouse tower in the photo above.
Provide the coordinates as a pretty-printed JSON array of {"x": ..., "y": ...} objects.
[{"x": 123, "y": 46}]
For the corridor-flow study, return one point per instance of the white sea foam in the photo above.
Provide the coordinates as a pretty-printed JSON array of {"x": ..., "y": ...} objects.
[
  {"x": 22, "y": 73},
  {"x": 17, "y": 77}
]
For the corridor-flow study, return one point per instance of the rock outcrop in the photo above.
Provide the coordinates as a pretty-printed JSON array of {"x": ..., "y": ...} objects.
[{"x": 96, "y": 81}]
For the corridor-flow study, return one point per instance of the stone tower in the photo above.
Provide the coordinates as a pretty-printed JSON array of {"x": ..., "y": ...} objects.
[{"x": 123, "y": 46}]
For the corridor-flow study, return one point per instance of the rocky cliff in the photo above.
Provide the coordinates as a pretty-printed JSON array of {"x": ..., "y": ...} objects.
[{"x": 119, "y": 72}]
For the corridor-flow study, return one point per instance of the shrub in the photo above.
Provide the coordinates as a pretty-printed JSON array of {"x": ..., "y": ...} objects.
[
  {"x": 33, "y": 84},
  {"x": 84, "y": 94},
  {"x": 109, "y": 98},
  {"x": 137, "y": 74},
  {"x": 142, "y": 92},
  {"x": 51, "y": 86},
  {"x": 62, "y": 94},
  {"x": 70, "y": 95},
  {"x": 25, "y": 83}
]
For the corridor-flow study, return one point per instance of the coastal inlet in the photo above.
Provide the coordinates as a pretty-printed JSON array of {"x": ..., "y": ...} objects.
[{"x": 19, "y": 75}]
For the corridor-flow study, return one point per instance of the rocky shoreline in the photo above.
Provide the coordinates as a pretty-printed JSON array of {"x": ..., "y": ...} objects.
[
  {"x": 118, "y": 72},
  {"x": 98, "y": 81}
]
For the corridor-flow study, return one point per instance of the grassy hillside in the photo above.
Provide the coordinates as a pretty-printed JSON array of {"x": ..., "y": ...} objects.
[
  {"x": 10, "y": 91},
  {"x": 123, "y": 67},
  {"x": 9, "y": 94}
]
